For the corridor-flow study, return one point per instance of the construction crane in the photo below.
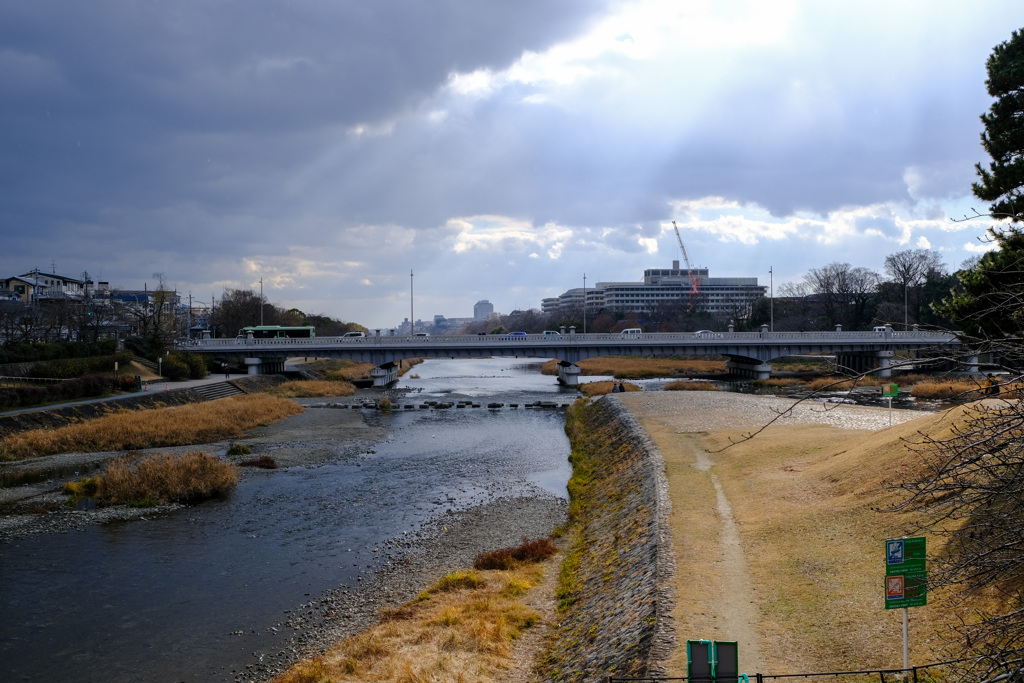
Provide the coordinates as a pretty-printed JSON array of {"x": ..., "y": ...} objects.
[{"x": 694, "y": 281}]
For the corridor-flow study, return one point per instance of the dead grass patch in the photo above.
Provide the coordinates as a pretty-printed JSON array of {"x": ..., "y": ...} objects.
[
  {"x": 686, "y": 385},
  {"x": 775, "y": 382},
  {"x": 196, "y": 423},
  {"x": 167, "y": 478},
  {"x": 407, "y": 364},
  {"x": 313, "y": 389},
  {"x": 510, "y": 558},
  {"x": 461, "y": 629},
  {"x": 839, "y": 384},
  {"x": 623, "y": 367}
]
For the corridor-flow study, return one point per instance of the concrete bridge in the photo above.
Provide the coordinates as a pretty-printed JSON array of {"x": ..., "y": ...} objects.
[{"x": 749, "y": 353}]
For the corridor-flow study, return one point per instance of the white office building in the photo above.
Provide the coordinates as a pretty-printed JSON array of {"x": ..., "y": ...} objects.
[{"x": 733, "y": 296}]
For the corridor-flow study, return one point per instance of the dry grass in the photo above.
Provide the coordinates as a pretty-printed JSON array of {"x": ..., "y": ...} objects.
[
  {"x": 196, "y": 423},
  {"x": 313, "y": 389},
  {"x": 461, "y": 629},
  {"x": 183, "y": 478},
  {"x": 839, "y": 384},
  {"x": 349, "y": 371},
  {"x": 408, "y": 364},
  {"x": 510, "y": 558},
  {"x": 600, "y": 388},
  {"x": 805, "y": 499},
  {"x": 621, "y": 367},
  {"x": 946, "y": 388},
  {"x": 774, "y": 382},
  {"x": 686, "y": 385}
]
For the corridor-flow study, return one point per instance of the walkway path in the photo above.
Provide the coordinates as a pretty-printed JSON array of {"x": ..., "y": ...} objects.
[{"x": 715, "y": 592}]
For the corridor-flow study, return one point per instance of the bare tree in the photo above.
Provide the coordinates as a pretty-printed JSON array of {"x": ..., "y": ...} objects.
[
  {"x": 909, "y": 269},
  {"x": 845, "y": 293}
]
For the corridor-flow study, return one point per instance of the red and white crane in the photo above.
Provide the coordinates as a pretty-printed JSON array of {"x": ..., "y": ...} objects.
[{"x": 694, "y": 281}]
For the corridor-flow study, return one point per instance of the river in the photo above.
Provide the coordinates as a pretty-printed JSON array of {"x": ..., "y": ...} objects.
[{"x": 181, "y": 596}]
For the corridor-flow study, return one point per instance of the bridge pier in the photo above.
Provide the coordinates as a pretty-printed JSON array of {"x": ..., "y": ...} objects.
[
  {"x": 873, "y": 362},
  {"x": 568, "y": 374},
  {"x": 751, "y": 370},
  {"x": 384, "y": 375},
  {"x": 262, "y": 366}
]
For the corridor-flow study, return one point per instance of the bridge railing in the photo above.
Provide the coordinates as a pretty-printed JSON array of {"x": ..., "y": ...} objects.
[{"x": 510, "y": 340}]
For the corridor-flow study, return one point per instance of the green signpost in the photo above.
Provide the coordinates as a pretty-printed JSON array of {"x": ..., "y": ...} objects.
[
  {"x": 906, "y": 579},
  {"x": 890, "y": 391}
]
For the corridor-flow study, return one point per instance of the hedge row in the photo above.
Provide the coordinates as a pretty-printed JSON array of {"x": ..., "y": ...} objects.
[
  {"x": 184, "y": 366},
  {"x": 27, "y": 353},
  {"x": 67, "y": 368},
  {"x": 82, "y": 387}
]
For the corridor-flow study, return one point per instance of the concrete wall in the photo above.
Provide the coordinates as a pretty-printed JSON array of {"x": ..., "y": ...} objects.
[{"x": 620, "y": 620}]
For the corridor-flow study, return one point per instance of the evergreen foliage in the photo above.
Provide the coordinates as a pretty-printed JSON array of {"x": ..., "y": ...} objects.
[{"x": 1003, "y": 138}]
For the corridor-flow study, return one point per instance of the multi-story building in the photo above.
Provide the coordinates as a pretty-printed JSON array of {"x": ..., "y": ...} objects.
[
  {"x": 483, "y": 309},
  {"x": 732, "y": 296}
]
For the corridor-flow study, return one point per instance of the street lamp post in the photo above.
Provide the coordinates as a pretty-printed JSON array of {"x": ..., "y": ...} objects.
[
  {"x": 584, "y": 303},
  {"x": 412, "y": 318},
  {"x": 771, "y": 299}
]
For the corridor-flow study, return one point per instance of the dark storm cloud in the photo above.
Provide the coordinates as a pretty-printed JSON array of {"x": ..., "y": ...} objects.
[{"x": 152, "y": 104}]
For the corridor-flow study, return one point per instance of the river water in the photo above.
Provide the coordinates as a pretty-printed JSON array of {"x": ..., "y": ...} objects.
[{"x": 170, "y": 598}]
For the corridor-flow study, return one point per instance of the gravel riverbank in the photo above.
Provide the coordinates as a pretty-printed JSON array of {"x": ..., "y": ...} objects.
[{"x": 400, "y": 570}]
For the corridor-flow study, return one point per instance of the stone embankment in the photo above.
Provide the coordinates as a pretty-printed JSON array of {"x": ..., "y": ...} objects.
[{"x": 619, "y": 620}]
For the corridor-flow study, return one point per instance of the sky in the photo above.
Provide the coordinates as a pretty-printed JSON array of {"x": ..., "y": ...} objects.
[{"x": 500, "y": 150}]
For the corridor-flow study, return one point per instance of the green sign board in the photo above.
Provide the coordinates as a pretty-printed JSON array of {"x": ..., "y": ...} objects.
[
  {"x": 906, "y": 576},
  {"x": 890, "y": 390}
]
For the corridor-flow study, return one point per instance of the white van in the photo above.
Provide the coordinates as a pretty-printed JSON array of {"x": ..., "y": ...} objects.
[
  {"x": 881, "y": 328},
  {"x": 551, "y": 333},
  {"x": 353, "y": 335},
  {"x": 631, "y": 331}
]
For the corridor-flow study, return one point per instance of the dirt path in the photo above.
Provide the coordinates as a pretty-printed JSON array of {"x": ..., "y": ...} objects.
[{"x": 717, "y": 594}]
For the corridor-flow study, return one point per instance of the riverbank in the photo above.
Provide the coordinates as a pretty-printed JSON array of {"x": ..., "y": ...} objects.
[{"x": 779, "y": 538}]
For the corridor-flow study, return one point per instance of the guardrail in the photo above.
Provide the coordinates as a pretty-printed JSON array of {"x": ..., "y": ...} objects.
[{"x": 577, "y": 338}]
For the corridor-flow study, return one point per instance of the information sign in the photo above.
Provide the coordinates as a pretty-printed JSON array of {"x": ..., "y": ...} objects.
[
  {"x": 906, "y": 590},
  {"x": 905, "y": 555},
  {"x": 906, "y": 576},
  {"x": 890, "y": 390}
]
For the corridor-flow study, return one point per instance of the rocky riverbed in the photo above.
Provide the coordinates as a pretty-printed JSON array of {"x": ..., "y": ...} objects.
[{"x": 492, "y": 515}]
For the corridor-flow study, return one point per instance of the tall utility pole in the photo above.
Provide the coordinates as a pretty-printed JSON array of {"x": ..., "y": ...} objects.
[
  {"x": 412, "y": 318},
  {"x": 584, "y": 303},
  {"x": 771, "y": 299},
  {"x": 261, "y": 301}
]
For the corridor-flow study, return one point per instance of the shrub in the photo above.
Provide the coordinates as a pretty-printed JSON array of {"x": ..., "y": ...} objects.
[
  {"x": 188, "y": 477},
  {"x": 174, "y": 368},
  {"x": 83, "y": 488},
  {"x": 263, "y": 462},
  {"x": 239, "y": 449},
  {"x": 196, "y": 363},
  {"x": 384, "y": 405},
  {"x": 510, "y": 558}
]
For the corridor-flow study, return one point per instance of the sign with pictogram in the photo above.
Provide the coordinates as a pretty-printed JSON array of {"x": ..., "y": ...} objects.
[
  {"x": 890, "y": 390},
  {"x": 906, "y": 576}
]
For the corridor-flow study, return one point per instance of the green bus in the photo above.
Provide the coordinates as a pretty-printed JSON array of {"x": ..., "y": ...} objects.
[{"x": 277, "y": 332}]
